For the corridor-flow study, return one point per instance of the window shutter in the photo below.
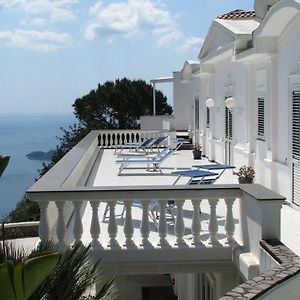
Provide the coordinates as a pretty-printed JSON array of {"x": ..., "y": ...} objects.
[
  {"x": 207, "y": 118},
  {"x": 228, "y": 123},
  {"x": 296, "y": 125},
  {"x": 197, "y": 121},
  {"x": 295, "y": 147},
  {"x": 261, "y": 118}
]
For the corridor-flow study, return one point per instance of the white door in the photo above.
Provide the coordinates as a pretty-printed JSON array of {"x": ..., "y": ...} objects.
[{"x": 296, "y": 147}]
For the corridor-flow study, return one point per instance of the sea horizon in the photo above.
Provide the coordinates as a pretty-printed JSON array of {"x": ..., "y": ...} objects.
[{"x": 21, "y": 134}]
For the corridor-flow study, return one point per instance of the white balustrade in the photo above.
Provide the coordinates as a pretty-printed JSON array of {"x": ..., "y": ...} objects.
[
  {"x": 112, "y": 228},
  {"x": 128, "y": 226},
  {"x": 213, "y": 222},
  {"x": 43, "y": 226},
  {"x": 110, "y": 138},
  {"x": 187, "y": 231},
  {"x": 196, "y": 222},
  {"x": 61, "y": 226},
  {"x": 179, "y": 223},
  {"x": 145, "y": 224},
  {"x": 162, "y": 224},
  {"x": 179, "y": 228},
  {"x": 95, "y": 225},
  {"x": 77, "y": 229},
  {"x": 229, "y": 224}
]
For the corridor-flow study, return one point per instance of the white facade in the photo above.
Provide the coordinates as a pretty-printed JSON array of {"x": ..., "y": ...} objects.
[{"x": 256, "y": 61}]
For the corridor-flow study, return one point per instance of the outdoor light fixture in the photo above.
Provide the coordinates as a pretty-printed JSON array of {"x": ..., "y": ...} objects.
[
  {"x": 209, "y": 103},
  {"x": 230, "y": 102}
]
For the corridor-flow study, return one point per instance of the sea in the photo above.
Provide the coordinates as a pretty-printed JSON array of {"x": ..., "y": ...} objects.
[{"x": 20, "y": 135}]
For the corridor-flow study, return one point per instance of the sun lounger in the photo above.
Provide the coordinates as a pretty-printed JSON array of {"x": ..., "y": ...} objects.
[
  {"x": 214, "y": 167},
  {"x": 135, "y": 146},
  {"x": 193, "y": 174},
  {"x": 152, "y": 162}
]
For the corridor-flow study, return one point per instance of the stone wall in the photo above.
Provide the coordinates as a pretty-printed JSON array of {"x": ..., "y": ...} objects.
[
  {"x": 288, "y": 266},
  {"x": 19, "y": 230}
]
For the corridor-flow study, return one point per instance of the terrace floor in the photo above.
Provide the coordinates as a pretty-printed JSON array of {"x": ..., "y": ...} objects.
[{"x": 106, "y": 175}]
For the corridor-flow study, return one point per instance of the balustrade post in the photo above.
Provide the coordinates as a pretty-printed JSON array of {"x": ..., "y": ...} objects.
[
  {"x": 128, "y": 226},
  {"x": 43, "y": 225},
  {"x": 229, "y": 223},
  {"x": 95, "y": 225},
  {"x": 162, "y": 223},
  {"x": 179, "y": 228},
  {"x": 112, "y": 224},
  {"x": 196, "y": 222},
  {"x": 78, "y": 229},
  {"x": 145, "y": 224},
  {"x": 213, "y": 223},
  {"x": 111, "y": 141},
  {"x": 61, "y": 226}
]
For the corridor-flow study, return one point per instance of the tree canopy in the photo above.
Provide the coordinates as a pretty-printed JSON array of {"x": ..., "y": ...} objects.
[{"x": 119, "y": 105}]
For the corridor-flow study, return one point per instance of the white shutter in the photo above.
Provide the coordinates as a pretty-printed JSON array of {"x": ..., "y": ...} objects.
[
  {"x": 296, "y": 146},
  {"x": 207, "y": 117},
  {"x": 197, "y": 111},
  {"x": 260, "y": 118},
  {"x": 296, "y": 184},
  {"x": 228, "y": 123}
]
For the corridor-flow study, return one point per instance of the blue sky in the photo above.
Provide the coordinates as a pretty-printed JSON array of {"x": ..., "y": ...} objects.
[{"x": 54, "y": 51}]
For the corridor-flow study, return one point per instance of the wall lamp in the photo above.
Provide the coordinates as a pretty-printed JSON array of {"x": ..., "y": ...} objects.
[{"x": 210, "y": 103}]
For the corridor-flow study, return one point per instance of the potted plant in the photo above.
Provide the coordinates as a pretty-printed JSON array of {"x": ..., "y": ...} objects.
[
  {"x": 245, "y": 174},
  {"x": 197, "y": 151}
]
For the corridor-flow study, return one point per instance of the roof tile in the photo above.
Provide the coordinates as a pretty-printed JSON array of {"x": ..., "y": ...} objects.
[{"x": 238, "y": 14}]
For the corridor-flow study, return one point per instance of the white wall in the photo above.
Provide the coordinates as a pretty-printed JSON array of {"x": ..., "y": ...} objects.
[
  {"x": 182, "y": 102},
  {"x": 229, "y": 79},
  {"x": 288, "y": 60},
  {"x": 288, "y": 290}
]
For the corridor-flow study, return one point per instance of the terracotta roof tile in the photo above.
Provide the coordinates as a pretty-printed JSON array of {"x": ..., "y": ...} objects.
[{"x": 238, "y": 14}]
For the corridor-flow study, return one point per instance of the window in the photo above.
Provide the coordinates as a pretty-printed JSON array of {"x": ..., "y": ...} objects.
[
  {"x": 261, "y": 118},
  {"x": 197, "y": 123},
  {"x": 207, "y": 117}
]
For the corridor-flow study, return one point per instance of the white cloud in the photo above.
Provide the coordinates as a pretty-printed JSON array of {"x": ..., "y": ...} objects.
[
  {"x": 44, "y": 41},
  {"x": 191, "y": 43},
  {"x": 130, "y": 18},
  {"x": 58, "y": 10},
  {"x": 33, "y": 22}
]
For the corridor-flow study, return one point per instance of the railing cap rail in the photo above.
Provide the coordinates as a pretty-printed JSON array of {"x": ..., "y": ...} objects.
[{"x": 258, "y": 192}]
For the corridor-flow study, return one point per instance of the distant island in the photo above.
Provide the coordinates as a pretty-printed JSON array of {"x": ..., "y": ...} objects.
[{"x": 40, "y": 155}]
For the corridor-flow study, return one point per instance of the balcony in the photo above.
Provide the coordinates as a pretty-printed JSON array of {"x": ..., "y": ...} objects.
[{"x": 74, "y": 194}]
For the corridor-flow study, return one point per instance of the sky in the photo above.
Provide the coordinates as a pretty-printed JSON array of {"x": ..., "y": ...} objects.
[{"x": 55, "y": 51}]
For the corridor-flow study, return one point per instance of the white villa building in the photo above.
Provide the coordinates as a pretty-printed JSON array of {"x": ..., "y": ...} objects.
[
  {"x": 241, "y": 99},
  {"x": 241, "y": 102}
]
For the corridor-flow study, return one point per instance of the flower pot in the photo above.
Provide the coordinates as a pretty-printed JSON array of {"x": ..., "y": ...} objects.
[
  {"x": 245, "y": 180},
  {"x": 197, "y": 154}
]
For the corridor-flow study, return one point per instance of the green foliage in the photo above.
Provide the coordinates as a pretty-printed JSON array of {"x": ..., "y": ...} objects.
[
  {"x": 20, "y": 279},
  {"x": 119, "y": 105},
  {"x": 70, "y": 277},
  {"x": 4, "y": 159},
  {"x": 25, "y": 211},
  {"x": 75, "y": 273}
]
